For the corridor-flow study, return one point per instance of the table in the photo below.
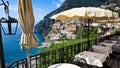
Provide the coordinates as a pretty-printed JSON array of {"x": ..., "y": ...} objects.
[
  {"x": 64, "y": 65},
  {"x": 110, "y": 41},
  {"x": 114, "y": 42},
  {"x": 108, "y": 44},
  {"x": 102, "y": 50},
  {"x": 92, "y": 58},
  {"x": 116, "y": 48}
]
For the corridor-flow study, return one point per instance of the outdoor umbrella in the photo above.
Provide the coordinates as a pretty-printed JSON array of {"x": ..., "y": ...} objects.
[
  {"x": 86, "y": 13},
  {"x": 28, "y": 39}
]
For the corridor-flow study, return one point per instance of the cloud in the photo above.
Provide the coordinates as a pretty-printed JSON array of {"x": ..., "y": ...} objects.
[
  {"x": 13, "y": 11},
  {"x": 1, "y": 11},
  {"x": 62, "y": 1},
  {"x": 13, "y": 8},
  {"x": 38, "y": 14},
  {"x": 58, "y": 4},
  {"x": 59, "y": 0}
]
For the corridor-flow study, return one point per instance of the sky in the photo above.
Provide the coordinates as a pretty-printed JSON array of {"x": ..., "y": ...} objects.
[{"x": 40, "y": 8}]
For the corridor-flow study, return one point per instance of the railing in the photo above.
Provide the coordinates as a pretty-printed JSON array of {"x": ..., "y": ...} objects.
[{"x": 61, "y": 55}]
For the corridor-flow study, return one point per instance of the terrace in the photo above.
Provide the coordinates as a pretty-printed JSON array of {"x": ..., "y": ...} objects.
[{"x": 64, "y": 55}]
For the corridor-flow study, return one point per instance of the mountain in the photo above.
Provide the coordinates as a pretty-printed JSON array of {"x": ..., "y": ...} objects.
[{"x": 45, "y": 25}]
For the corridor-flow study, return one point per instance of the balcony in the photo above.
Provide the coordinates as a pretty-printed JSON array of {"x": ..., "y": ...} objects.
[{"x": 61, "y": 55}]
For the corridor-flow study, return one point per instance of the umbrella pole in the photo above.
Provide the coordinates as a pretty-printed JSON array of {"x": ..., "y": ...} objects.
[
  {"x": 28, "y": 57},
  {"x": 115, "y": 28},
  {"x": 88, "y": 33},
  {"x": 97, "y": 35},
  {"x": 81, "y": 33},
  {"x": 105, "y": 33}
]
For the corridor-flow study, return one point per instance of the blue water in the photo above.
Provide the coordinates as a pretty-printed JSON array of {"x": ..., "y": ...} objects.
[{"x": 12, "y": 49}]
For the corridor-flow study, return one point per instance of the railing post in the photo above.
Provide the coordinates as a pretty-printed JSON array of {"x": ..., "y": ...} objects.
[
  {"x": 74, "y": 49},
  {"x": 36, "y": 61},
  {"x": 61, "y": 55},
  {"x": 78, "y": 45},
  {"x": 96, "y": 41},
  {"x": 26, "y": 66},
  {"x": 88, "y": 44},
  {"x": 17, "y": 65}
]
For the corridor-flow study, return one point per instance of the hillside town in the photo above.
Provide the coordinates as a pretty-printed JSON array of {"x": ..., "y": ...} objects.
[
  {"x": 61, "y": 30},
  {"x": 67, "y": 30}
]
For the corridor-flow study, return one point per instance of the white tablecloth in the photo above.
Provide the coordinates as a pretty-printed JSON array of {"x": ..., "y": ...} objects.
[
  {"x": 114, "y": 42},
  {"x": 92, "y": 58},
  {"x": 64, "y": 65},
  {"x": 108, "y": 44},
  {"x": 110, "y": 41},
  {"x": 102, "y": 50}
]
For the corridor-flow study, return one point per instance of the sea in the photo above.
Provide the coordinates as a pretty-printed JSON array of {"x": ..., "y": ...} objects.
[{"x": 12, "y": 49}]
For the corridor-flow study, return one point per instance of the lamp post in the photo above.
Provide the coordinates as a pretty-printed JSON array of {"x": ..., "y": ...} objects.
[
  {"x": 2, "y": 62},
  {"x": 9, "y": 20}
]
